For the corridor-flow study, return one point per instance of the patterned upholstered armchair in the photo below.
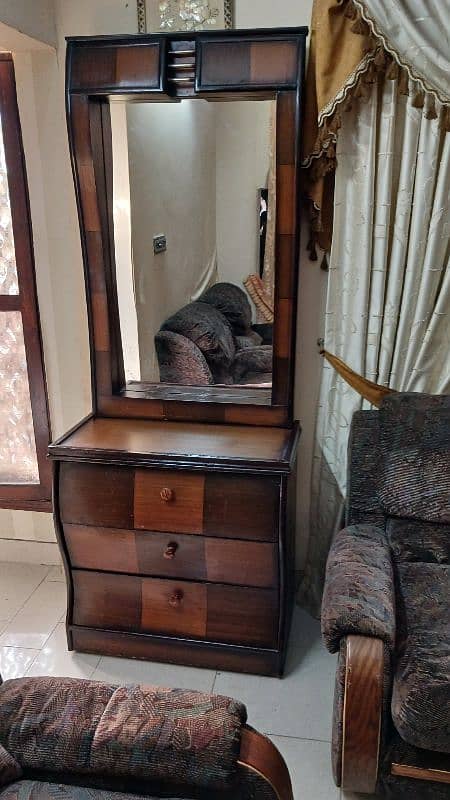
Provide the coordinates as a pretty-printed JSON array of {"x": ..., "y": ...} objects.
[
  {"x": 66, "y": 739},
  {"x": 386, "y": 606}
]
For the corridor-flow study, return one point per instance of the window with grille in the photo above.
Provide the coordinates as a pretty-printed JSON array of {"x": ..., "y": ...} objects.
[{"x": 25, "y": 475}]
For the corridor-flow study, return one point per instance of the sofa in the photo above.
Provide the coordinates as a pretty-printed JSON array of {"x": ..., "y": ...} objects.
[
  {"x": 212, "y": 341},
  {"x": 386, "y": 603},
  {"x": 69, "y": 739}
]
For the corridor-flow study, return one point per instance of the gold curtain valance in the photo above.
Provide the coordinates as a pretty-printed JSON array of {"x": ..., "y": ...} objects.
[{"x": 346, "y": 56}]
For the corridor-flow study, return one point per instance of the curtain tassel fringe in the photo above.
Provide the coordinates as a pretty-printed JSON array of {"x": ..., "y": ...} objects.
[
  {"x": 393, "y": 71},
  {"x": 351, "y": 11},
  {"x": 403, "y": 82},
  {"x": 418, "y": 100},
  {"x": 446, "y": 119},
  {"x": 361, "y": 27},
  {"x": 431, "y": 112}
]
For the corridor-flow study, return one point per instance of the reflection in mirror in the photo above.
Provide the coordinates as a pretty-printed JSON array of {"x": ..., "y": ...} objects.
[{"x": 194, "y": 218}]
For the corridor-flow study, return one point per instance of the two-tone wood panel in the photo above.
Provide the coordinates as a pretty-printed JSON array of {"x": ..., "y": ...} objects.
[
  {"x": 210, "y": 504},
  {"x": 215, "y": 612},
  {"x": 125, "y": 66},
  {"x": 173, "y": 555},
  {"x": 247, "y": 62}
]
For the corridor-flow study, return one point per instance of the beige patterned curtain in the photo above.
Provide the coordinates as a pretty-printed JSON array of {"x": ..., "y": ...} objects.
[{"x": 388, "y": 304}]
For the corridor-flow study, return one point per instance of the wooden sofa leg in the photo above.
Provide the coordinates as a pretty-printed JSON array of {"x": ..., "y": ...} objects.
[{"x": 362, "y": 711}]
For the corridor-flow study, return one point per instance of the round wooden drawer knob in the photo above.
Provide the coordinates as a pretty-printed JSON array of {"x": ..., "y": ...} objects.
[
  {"x": 176, "y": 599},
  {"x": 170, "y": 550},
  {"x": 166, "y": 494}
]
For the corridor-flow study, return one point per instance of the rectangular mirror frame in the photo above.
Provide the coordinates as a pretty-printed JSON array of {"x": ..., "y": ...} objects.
[{"x": 232, "y": 65}]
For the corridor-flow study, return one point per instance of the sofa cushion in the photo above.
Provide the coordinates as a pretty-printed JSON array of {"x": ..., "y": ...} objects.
[
  {"x": 62, "y": 725},
  {"x": 208, "y": 329},
  {"x": 414, "y": 540},
  {"x": 41, "y": 790},
  {"x": 421, "y": 692},
  {"x": 398, "y": 787},
  {"x": 415, "y": 450},
  {"x": 232, "y": 302},
  {"x": 180, "y": 360}
]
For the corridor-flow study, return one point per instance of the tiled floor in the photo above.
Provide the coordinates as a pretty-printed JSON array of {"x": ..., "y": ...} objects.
[{"x": 295, "y": 712}]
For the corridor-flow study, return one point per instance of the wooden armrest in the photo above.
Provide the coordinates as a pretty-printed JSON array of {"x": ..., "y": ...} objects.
[
  {"x": 260, "y": 755},
  {"x": 362, "y": 712}
]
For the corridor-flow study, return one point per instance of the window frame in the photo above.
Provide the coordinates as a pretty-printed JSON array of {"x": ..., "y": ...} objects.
[{"x": 28, "y": 496}]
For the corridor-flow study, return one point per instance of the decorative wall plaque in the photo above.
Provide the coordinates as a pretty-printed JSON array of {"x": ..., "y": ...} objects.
[{"x": 184, "y": 15}]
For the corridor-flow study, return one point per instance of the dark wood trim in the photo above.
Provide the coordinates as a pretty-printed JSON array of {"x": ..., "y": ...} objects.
[
  {"x": 91, "y": 153},
  {"x": 63, "y": 551},
  {"x": 260, "y": 755},
  {"x": 175, "y": 650},
  {"x": 420, "y": 774},
  {"x": 361, "y": 723},
  {"x": 39, "y": 495}
]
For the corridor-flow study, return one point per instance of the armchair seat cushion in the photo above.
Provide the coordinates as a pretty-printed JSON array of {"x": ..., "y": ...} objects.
[
  {"x": 416, "y": 541},
  {"x": 63, "y": 726},
  {"x": 41, "y": 790},
  {"x": 421, "y": 691}
]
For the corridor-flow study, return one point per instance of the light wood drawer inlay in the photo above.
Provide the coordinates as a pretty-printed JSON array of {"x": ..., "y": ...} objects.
[{"x": 168, "y": 501}]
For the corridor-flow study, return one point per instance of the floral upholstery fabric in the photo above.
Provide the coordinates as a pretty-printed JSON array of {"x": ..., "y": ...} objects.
[
  {"x": 363, "y": 504},
  {"x": 40, "y": 790},
  {"x": 416, "y": 541},
  {"x": 57, "y": 725},
  {"x": 359, "y": 587},
  {"x": 421, "y": 694},
  {"x": 415, "y": 453}
]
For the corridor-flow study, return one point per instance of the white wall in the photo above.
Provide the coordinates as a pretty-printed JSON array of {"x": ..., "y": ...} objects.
[
  {"x": 58, "y": 253},
  {"x": 34, "y": 18},
  {"x": 172, "y": 155}
]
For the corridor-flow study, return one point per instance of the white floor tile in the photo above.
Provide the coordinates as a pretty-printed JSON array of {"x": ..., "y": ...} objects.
[
  {"x": 309, "y": 765},
  {"x": 300, "y": 704},
  {"x": 55, "y": 659},
  {"x": 34, "y": 623},
  {"x": 17, "y": 583},
  {"x": 56, "y": 573},
  {"x": 123, "y": 670},
  {"x": 14, "y": 661}
]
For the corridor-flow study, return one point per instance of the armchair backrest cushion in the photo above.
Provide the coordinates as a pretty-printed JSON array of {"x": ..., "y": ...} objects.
[
  {"x": 363, "y": 504},
  {"x": 414, "y": 479},
  {"x": 63, "y": 725}
]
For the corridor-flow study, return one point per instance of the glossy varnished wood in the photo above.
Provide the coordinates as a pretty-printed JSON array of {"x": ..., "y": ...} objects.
[
  {"x": 242, "y": 63},
  {"x": 204, "y": 446},
  {"x": 361, "y": 724},
  {"x": 257, "y": 753},
  {"x": 215, "y": 612},
  {"x": 173, "y": 555},
  {"x": 176, "y": 650}
]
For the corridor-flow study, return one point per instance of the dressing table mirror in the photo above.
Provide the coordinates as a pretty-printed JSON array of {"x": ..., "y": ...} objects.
[{"x": 175, "y": 499}]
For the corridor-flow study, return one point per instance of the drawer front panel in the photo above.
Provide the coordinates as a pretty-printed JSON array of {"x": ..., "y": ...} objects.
[
  {"x": 169, "y": 501},
  {"x": 231, "y": 614},
  {"x": 235, "y": 506},
  {"x": 172, "y": 555}
]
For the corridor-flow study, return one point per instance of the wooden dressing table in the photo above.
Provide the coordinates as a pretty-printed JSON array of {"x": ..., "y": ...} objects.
[{"x": 175, "y": 509}]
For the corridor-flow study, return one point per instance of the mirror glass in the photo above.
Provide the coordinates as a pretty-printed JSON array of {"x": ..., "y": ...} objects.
[{"x": 194, "y": 218}]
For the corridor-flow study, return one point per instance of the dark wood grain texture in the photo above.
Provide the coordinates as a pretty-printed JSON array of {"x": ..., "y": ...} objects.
[
  {"x": 241, "y": 63},
  {"x": 362, "y": 711},
  {"x": 176, "y": 650},
  {"x": 420, "y": 774},
  {"x": 258, "y": 753},
  {"x": 216, "y": 612}
]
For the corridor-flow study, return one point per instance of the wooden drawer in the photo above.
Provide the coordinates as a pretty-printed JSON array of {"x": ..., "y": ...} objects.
[
  {"x": 172, "y": 555},
  {"x": 236, "y": 506},
  {"x": 215, "y": 612}
]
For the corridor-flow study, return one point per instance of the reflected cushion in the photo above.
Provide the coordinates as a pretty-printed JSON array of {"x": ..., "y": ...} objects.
[{"x": 233, "y": 303}]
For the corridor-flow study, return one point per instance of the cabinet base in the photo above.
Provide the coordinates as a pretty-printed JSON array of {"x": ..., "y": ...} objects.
[{"x": 189, "y": 652}]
